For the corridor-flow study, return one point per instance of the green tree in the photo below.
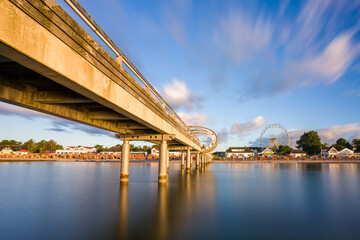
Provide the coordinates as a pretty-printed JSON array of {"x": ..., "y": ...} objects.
[
  {"x": 43, "y": 146},
  {"x": 356, "y": 144},
  {"x": 99, "y": 148},
  {"x": 10, "y": 142},
  {"x": 145, "y": 148},
  {"x": 284, "y": 149},
  {"x": 310, "y": 143},
  {"x": 342, "y": 143},
  {"x": 30, "y": 145}
]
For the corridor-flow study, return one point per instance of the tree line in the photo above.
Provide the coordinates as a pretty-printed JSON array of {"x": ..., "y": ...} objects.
[
  {"x": 310, "y": 142},
  {"x": 133, "y": 148},
  {"x": 44, "y": 146},
  {"x": 34, "y": 147}
]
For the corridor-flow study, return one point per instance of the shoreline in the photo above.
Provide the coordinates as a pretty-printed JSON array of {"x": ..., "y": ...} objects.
[{"x": 156, "y": 161}]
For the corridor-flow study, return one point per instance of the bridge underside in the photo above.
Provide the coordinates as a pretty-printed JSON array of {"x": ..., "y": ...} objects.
[{"x": 24, "y": 87}]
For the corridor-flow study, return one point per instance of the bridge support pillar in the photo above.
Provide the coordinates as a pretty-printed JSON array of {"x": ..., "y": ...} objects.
[
  {"x": 182, "y": 160},
  {"x": 188, "y": 160},
  {"x": 197, "y": 160},
  {"x": 167, "y": 160},
  {"x": 163, "y": 161},
  {"x": 125, "y": 154}
]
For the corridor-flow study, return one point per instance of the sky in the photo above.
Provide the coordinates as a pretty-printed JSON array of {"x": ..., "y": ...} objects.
[{"x": 232, "y": 66}]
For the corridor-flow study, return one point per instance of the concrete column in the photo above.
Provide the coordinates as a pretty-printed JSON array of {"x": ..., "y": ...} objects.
[
  {"x": 188, "y": 160},
  {"x": 125, "y": 154},
  {"x": 182, "y": 160},
  {"x": 162, "y": 161},
  {"x": 197, "y": 160},
  {"x": 167, "y": 160}
]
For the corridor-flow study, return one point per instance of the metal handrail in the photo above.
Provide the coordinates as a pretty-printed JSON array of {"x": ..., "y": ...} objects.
[{"x": 93, "y": 25}]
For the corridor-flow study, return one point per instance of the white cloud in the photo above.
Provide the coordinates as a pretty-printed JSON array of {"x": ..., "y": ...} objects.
[
  {"x": 243, "y": 129},
  {"x": 239, "y": 37},
  {"x": 57, "y": 124},
  {"x": 331, "y": 134},
  {"x": 9, "y": 109},
  {"x": 277, "y": 53},
  {"x": 354, "y": 92},
  {"x": 223, "y": 136},
  {"x": 333, "y": 62},
  {"x": 178, "y": 95},
  {"x": 175, "y": 21},
  {"x": 194, "y": 119}
]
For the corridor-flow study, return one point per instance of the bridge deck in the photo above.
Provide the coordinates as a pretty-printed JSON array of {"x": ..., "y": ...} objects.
[{"x": 50, "y": 64}]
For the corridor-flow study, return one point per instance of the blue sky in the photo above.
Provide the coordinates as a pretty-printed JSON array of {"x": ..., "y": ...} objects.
[{"x": 232, "y": 66}]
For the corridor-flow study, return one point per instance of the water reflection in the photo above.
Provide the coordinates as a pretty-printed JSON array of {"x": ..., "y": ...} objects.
[
  {"x": 173, "y": 212},
  {"x": 225, "y": 201}
]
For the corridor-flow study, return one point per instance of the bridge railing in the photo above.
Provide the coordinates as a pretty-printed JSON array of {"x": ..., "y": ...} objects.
[{"x": 121, "y": 58}]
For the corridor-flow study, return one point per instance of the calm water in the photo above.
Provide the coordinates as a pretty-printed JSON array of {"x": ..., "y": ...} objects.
[{"x": 44, "y": 200}]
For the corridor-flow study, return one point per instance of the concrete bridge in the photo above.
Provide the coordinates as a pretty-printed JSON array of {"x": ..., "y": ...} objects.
[{"x": 50, "y": 64}]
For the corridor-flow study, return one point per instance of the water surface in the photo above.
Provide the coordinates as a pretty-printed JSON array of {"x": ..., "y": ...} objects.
[{"x": 78, "y": 200}]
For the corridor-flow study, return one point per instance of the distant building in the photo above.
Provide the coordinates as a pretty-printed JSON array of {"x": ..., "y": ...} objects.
[
  {"x": 239, "y": 152},
  {"x": 267, "y": 151},
  {"x": 76, "y": 150},
  {"x": 257, "y": 150},
  {"x": 330, "y": 151},
  {"x": 16, "y": 149},
  {"x": 112, "y": 151},
  {"x": 175, "y": 153},
  {"x": 138, "y": 153},
  {"x": 346, "y": 151},
  {"x": 22, "y": 152},
  {"x": 153, "y": 151},
  {"x": 297, "y": 153}
]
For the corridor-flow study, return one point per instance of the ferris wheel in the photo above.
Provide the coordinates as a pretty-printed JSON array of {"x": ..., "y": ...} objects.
[{"x": 274, "y": 135}]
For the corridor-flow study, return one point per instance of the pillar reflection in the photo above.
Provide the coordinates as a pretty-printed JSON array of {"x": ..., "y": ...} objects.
[
  {"x": 171, "y": 213},
  {"x": 163, "y": 211},
  {"x": 123, "y": 211}
]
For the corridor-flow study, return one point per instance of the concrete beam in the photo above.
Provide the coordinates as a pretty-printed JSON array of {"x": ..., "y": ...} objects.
[
  {"x": 106, "y": 115},
  {"x": 145, "y": 137},
  {"x": 178, "y": 148},
  {"x": 131, "y": 125},
  {"x": 53, "y": 97}
]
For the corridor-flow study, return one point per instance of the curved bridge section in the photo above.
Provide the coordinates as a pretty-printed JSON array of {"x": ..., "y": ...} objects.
[{"x": 202, "y": 131}]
